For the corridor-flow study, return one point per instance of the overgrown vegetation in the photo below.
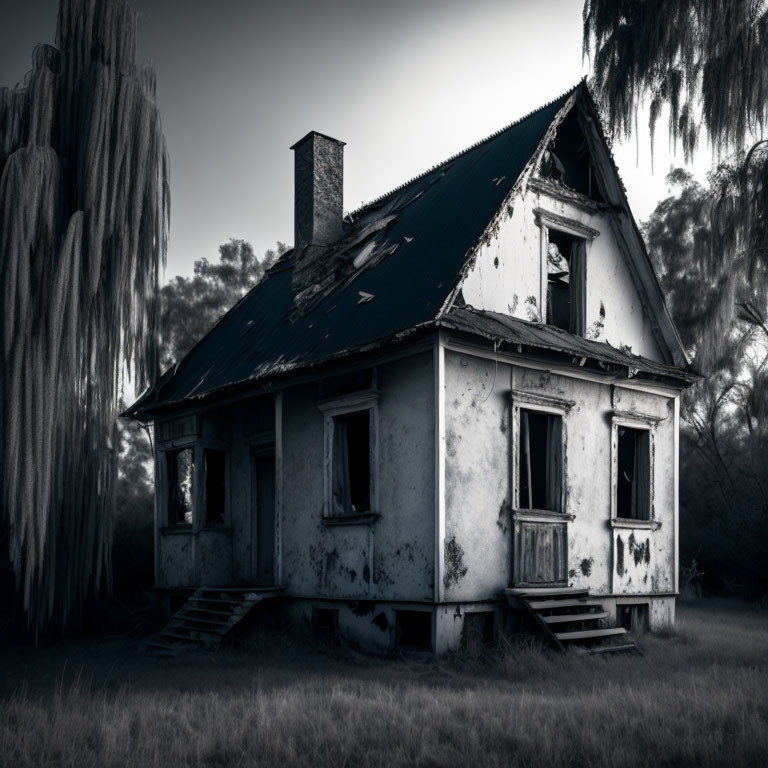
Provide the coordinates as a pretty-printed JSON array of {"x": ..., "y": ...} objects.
[{"x": 696, "y": 697}]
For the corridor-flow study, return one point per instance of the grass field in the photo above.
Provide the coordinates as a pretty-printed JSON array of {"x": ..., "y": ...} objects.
[{"x": 698, "y": 696}]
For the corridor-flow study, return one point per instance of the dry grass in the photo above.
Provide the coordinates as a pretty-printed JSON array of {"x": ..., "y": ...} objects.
[{"x": 697, "y": 697}]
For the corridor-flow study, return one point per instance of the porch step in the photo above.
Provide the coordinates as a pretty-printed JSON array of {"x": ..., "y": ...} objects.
[
  {"x": 550, "y": 605},
  {"x": 629, "y": 647},
  {"x": 568, "y": 610},
  {"x": 187, "y": 629},
  {"x": 544, "y": 592},
  {"x": 567, "y": 618},
  {"x": 590, "y": 634}
]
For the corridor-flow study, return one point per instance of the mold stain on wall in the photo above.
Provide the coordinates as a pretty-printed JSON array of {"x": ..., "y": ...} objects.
[{"x": 455, "y": 570}]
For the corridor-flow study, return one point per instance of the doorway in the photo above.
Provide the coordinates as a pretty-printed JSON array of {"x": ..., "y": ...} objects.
[{"x": 263, "y": 517}]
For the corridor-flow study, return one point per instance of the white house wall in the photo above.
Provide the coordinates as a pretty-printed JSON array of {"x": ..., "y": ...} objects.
[
  {"x": 393, "y": 558},
  {"x": 507, "y": 274},
  {"x": 479, "y": 482}
]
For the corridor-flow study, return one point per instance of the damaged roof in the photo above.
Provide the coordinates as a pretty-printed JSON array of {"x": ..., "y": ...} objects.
[
  {"x": 400, "y": 258},
  {"x": 504, "y": 329}
]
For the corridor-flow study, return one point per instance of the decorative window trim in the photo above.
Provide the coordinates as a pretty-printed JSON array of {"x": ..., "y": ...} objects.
[
  {"x": 628, "y": 522},
  {"x": 542, "y": 404},
  {"x": 564, "y": 224},
  {"x": 364, "y": 400},
  {"x": 636, "y": 419},
  {"x": 633, "y": 420}
]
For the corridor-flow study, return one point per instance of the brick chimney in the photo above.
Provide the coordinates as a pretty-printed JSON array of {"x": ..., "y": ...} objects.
[{"x": 318, "y": 205}]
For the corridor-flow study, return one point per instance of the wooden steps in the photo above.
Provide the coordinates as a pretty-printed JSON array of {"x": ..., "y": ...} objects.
[
  {"x": 207, "y": 616},
  {"x": 567, "y": 617}
]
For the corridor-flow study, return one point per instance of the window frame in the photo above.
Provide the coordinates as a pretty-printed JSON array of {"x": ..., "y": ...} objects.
[
  {"x": 343, "y": 405},
  {"x": 199, "y": 501},
  {"x": 546, "y": 221},
  {"x": 643, "y": 423},
  {"x": 552, "y": 406}
]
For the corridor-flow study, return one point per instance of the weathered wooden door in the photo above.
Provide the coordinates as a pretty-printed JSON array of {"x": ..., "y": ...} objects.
[
  {"x": 263, "y": 517},
  {"x": 540, "y": 552}
]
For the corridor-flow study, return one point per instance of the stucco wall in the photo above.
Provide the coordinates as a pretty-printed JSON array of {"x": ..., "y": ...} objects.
[
  {"x": 478, "y": 482},
  {"x": 506, "y": 276},
  {"x": 393, "y": 557}
]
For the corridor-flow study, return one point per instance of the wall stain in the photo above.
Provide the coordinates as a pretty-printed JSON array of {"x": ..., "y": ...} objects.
[
  {"x": 455, "y": 570},
  {"x": 640, "y": 551},
  {"x": 586, "y": 565},
  {"x": 619, "y": 556}
]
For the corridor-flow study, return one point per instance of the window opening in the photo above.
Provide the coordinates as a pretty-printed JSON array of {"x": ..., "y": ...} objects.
[
  {"x": 215, "y": 486},
  {"x": 352, "y": 463},
  {"x": 566, "y": 282},
  {"x": 634, "y": 474},
  {"x": 181, "y": 470},
  {"x": 540, "y": 478}
]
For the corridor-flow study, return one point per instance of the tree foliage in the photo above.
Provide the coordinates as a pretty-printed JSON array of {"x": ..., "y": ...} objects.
[
  {"x": 190, "y": 306},
  {"x": 84, "y": 206},
  {"x": 724, "y": 495},
  {"x": 708, "y": 63}
]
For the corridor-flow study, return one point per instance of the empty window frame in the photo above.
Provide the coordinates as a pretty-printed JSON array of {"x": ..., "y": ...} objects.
[
  {"x": 540, "y": 460},
  {"x": 633, "y": 473},
  {"x": 351, "y": 463},
  {"x": 180, "y": 466},
  {"x": 566, "y": 282},
  {"x": 215, "y": 483}
]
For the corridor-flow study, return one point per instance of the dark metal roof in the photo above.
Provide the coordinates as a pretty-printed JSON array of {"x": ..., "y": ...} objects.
[
  {"x": 514, "y": 331},
  {"x": 413, "y": 245}
]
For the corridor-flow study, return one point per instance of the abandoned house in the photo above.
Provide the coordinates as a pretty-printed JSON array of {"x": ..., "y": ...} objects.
[{"x": 465, "y": 391}]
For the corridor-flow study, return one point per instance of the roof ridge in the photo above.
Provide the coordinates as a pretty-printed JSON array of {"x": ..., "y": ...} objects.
[{"x": 455, "y": 156}]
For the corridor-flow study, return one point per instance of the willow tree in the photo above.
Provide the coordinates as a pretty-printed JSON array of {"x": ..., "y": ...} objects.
[
  {"x": 84, "y": 206},
  {"x": 707, "y": 62}
]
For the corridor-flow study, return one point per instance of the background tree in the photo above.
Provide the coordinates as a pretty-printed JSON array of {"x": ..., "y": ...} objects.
[
  {"x": 723, "y": 491},
  {"x": 84, "y": 206},
  {"x": 707, "y": 62},
  {"x": 190, "y": 306}
]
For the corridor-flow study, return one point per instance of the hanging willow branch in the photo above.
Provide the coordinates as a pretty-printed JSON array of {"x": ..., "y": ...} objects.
[
  {"x": 707, "y": 61},
  {"x": 84, "y": 207}
]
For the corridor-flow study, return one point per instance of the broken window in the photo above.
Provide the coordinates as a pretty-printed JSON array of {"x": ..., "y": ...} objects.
[
  {"x": 352, "y": 463},
  {"x": 215, "y": 486},
  {"x": 181, "y": 469},
  {"x": 633, "y": 486},
  {"x": 566, "y": 282},
  {"x": 541, "y": 458}
]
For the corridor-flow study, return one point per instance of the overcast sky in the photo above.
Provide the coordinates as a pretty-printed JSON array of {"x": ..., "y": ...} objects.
[{"x": 405, "y": 83}]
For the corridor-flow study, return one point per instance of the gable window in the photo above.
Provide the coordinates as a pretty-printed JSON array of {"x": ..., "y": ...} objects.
[
  {"x": 566, "y": 282},
  {"x": 633, "y": 473},
  {"x": 350, "y": 455},
  {"x": 214, "y": 468},
  {"x": 181, "y": 470},
  {"x": 540, "y": 463}
]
